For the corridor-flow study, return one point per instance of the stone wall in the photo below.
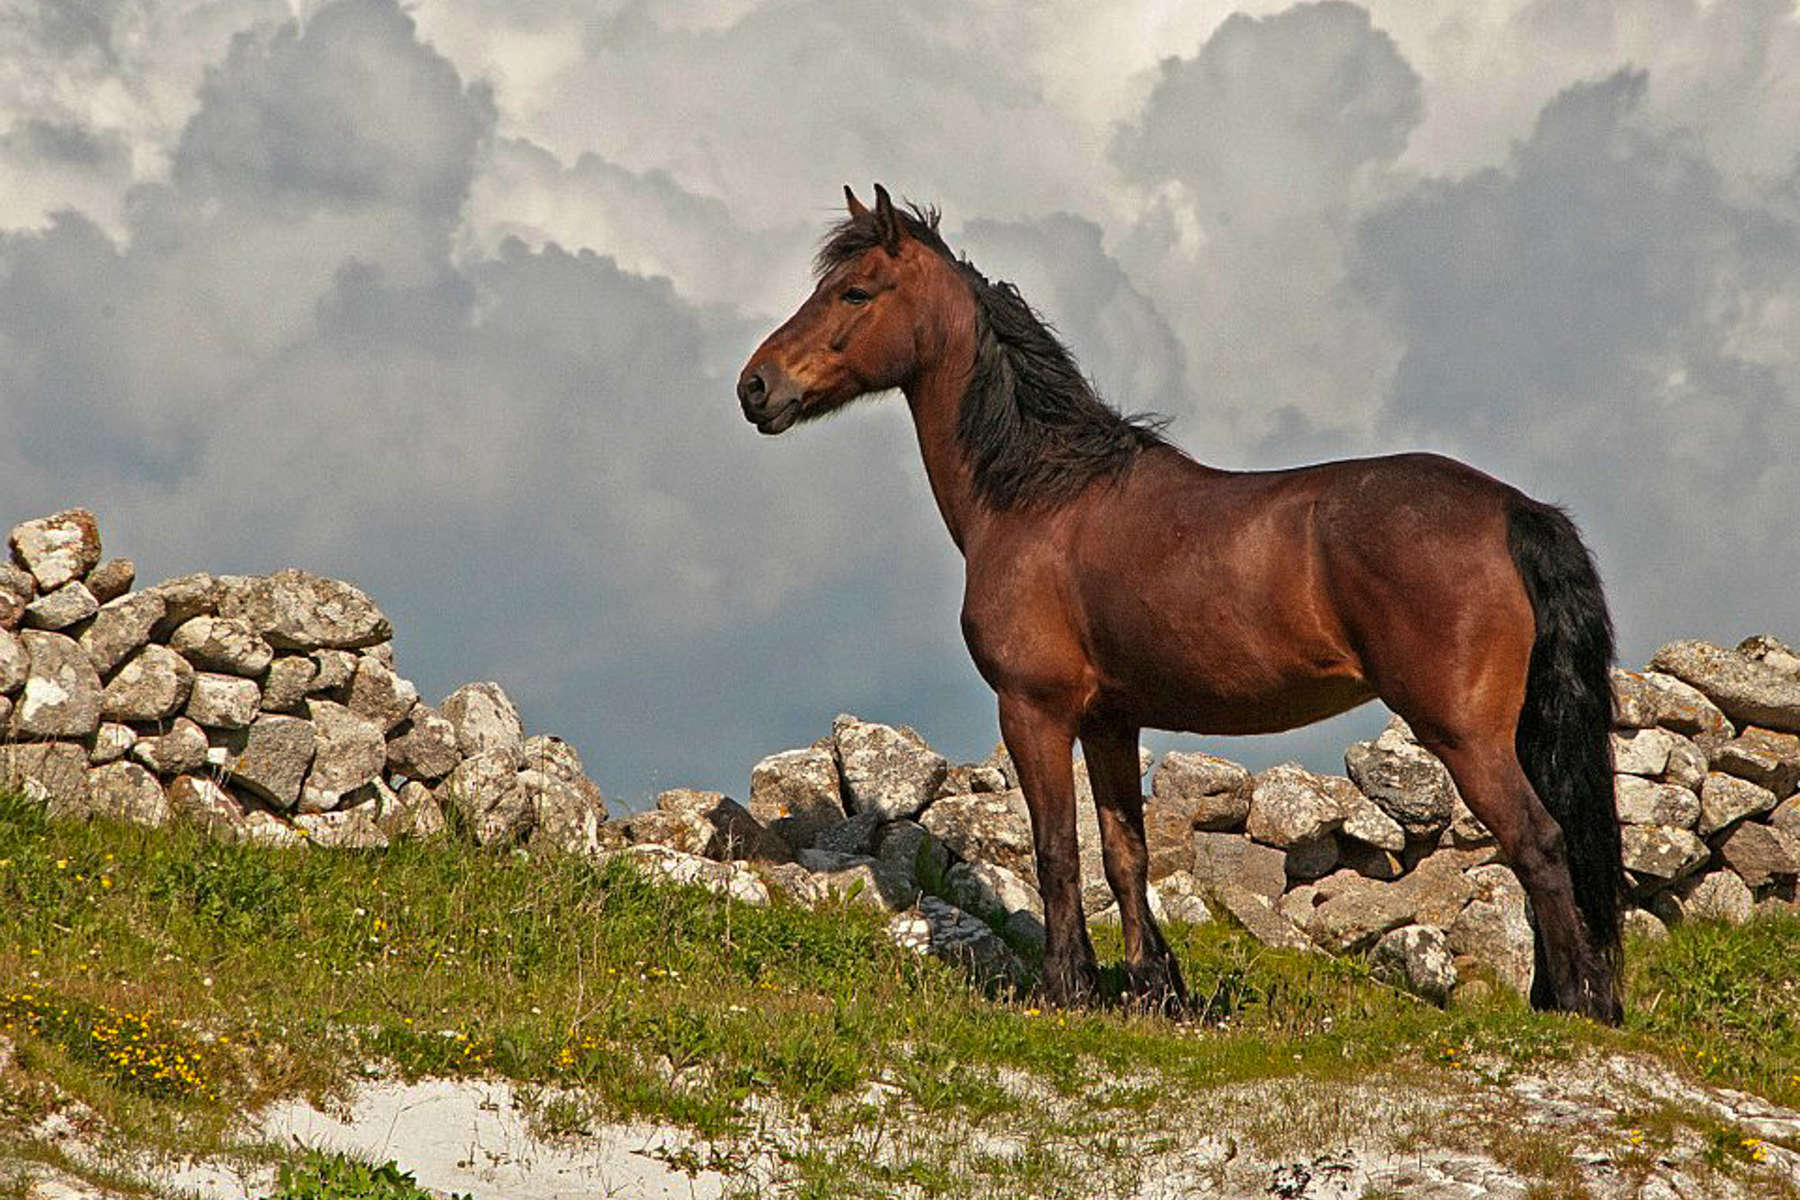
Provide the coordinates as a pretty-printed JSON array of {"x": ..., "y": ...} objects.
[{"x": 269, "y": 709}]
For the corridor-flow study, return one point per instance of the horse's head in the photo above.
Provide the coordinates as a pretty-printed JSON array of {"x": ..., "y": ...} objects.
[{"x": 859, "y": 331}]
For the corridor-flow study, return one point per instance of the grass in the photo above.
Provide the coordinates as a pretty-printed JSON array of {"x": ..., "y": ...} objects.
[{"x": 170, "y": 983}]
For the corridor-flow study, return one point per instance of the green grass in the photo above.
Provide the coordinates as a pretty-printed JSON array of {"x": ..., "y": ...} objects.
[{"x": 243, "y": 974}]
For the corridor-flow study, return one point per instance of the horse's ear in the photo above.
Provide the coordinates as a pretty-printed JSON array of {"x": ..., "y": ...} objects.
[
  {"x": 887, "y": 222},
  {"x": 858, "y": 210}
]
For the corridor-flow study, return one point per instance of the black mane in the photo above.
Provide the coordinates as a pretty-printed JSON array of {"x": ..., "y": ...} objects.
[{"x": 1033, "y": 430}]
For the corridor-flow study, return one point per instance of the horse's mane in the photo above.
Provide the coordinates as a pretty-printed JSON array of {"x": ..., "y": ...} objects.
[{"x": 1034, "y": 431}]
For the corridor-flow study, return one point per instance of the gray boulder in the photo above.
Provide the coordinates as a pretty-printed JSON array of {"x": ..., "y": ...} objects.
[
  {"x": 15, "y": 663},
  {"x": 1214, "y": 793},
  {"x": 351, "y": 829},
  {"x": 1359, "y": 910},
  {"x": 223, "y": 701},
  {"x": 1660, "y": 854},
  {"x": 1418, "y": 958},
  {"x": 563, "y": 816},
  {"x": 1726, "y": 798},
  {"x": 112, "y": 741},
  {"x": 410, "y": 812},
  {"x": 124, "y": 791},
  {"x": 795, "y": 794},
  {"x": 944, "y": 931},
  {"x": 1494, "y": 928},
  {"x": 736, "y": 882},
  {"x": 225, "y": 645},
  {"x": 484, "y": 718},
  {"x": 153, "y": 685},
  {"x": 120, "y": 629},
  {"x": 1764, "y": 757},
  {"x": 1716, "y": 896},
  {"x": 349, "y": 753},
  {"x": 59, "y": 548},
  {"x": 886, "y": 769},
  {"x": 909, "y": 848},
  {"x": 111, "y": 579},
  {"x": 738, "y": 834},
  {"x": 1760, "y": 853},
  {"x": 184, "y": 598},
  {"x": 1642, "y": 752},
  {"x": 1748, "y": 691},
  {"x": 332, "y": 673},
  {"x": 1404, "y": 779},
  {"x": 424, "y": 745},
  {"x": 1228, "y": 859},
  {"x": 199, "y": 801},
  {"x": 1261, "y": 920},
  {"x": 856, "y": 834},
  {"x": 1651, "y": 698},
  {"x": 1290, "y": 806},
  {"x": 378, "y": 693},
  {"x": 274, "y": 758},
  {"x": 1639, "y": 801},
  {"x": 992, "y": 827},
  {"x": 17, "y": 588},
  {"x": 62, "y": 608},
  {"x": 55, "y": 774},
  {"x": 288, "y": 683},
  {"x": 1687, "y": 763},
  {"x": 297, "y": 610},
  {"x": 62, "y": 694},
  {"x": 181, "y": 750}
]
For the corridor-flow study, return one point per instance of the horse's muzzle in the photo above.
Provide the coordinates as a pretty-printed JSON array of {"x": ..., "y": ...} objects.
[{"x": 769, "y": 397}]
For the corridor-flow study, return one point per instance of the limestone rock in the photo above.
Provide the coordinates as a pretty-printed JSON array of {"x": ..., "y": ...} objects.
[
  {"x": 1661, "y": 853},
  {"x": 731, "y": 881},
  {"x": 853, "y": 835},
  {"x": 563, "y": 816},
  {"x": 1367, "y": 823},
  {"x": 1786, "y": 816},
  {"x": 484, "y": 718},
  {"x": 1639, "y": 801},
  {"x": 1369, "y": 861},
  {"x": 223, "y": 644},
  {"x": 120, "y": 629},
  {"x": 62, "y": 695},
  {"x": 184, "y": 598},
  {"x": 992, "y": 891},
  {"x": 424, "y": 745},
  {"x": 15, "y": 664},
  {"x": 1227, "y": 859},
  {"x": 199, "y": 801},
  {"x": 266, "y": 829},
  {"x": 909, "y": 848},
  {"x": 687, "y": 832},
  {"x": 349, "y": 752},
  {"x": 795, "y": 794},
  {"x": 1260, "y": 919},
  {"x": 412, "y": 811},
  {"x": 1418, "y": 958},
  {"x": 62, "y": 608},
  {"x": 1772, "y": 652},
  {"x": 53, "y": 773},
  {"x": 1717, "y": 896},
  {"x": 739, "y": 835},
  {"x": 1726, "y": 798},
  {"x": 17, "y": 588},
  {"x": 1764, "y": 757},
  {"x": 223, "y": 701},
  {"x": 1215, "y": 791},
  {"x": 1748, "y": 691},
  {"x": 112, "y": 742},
  {"x": 939, "y": 928},
  {"x": 1183, "y": 899},
  {"x": 181, "y": 750},
  {"x": 1404, "y": 779},
  {"x": 870, "y": 883},
  {"x": 351, "y": 829},
  {"x": 332, "y": 673},
  {"x": 274, "y": 759},
  {"x": 1310, "y": 860},
  {"x": 1290, "y": 806},
  {"x": 1353, "y": 917},
  {"x": 1687, "y": 763},
  {"x": 297, "y": 610},
  {"x": 1760, "y": 853},
  {"x": 1494, "y": 928},
  {"x": 889, "y": 770},
  {"x": 992, "y": 827},
  {"x": 1642, "y": 752},
  {"x": 1637, "y": 923},
  {"x": 153, "y": 684},
  {"x": 379, "y": 694},
  {"x": 1648, "y": 699},
  {"x": 111, "y": 579},
  {"x": 58, "y": 548},
  {"x": 124, "y": 791}
]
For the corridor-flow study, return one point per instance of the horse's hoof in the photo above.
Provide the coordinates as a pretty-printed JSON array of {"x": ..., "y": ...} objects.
[
  {"x": 1156, "y": 986},
  {"x": 1070, "y": 985}
]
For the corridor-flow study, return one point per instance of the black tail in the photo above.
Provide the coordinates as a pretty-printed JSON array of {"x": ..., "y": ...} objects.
[{"x": 1564, "y": 735}]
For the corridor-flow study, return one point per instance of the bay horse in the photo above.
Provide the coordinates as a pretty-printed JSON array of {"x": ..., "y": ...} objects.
[{"x": 1114, "y": 583}]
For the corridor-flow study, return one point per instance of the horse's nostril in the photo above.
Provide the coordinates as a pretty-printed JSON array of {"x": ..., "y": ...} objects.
[{"x": 751, "y": 387}]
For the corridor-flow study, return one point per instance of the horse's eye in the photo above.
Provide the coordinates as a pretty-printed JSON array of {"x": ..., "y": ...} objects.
[{"x": 855, "y": 295}]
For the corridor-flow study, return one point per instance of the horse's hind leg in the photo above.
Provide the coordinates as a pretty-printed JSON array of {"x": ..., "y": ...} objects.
[
  {"x": 1042, "y": 742},
  {"x": 1112, "y": 763},
  {"x": 1493, "y": 784}
]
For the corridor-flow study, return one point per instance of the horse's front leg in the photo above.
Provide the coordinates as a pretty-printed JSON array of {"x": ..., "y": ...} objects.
[
  {"x": 1041, "y": 741},
  {"x": 1112, "y": 762}
]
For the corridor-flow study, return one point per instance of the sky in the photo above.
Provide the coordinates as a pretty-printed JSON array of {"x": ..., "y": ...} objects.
[{"x": 448, "y": 300}]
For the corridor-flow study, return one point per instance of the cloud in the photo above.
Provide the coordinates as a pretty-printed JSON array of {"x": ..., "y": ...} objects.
[{"x": 1597, "y": 321}]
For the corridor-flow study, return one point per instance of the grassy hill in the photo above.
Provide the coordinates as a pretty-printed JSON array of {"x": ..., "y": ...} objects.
[{"x": 160, "y": 986}]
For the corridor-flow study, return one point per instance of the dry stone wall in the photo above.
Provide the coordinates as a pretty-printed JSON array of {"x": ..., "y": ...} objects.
[{"x": 269, "y": 709}]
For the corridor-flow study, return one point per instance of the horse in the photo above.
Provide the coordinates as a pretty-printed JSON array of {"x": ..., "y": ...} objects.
[{"x": 1114, "y": 583}]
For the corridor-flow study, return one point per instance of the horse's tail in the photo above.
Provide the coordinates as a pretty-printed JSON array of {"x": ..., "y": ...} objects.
[{"x": 1564, "y": 734}]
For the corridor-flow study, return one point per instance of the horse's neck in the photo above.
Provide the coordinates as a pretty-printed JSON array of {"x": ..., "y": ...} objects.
[{"x": 935, "y": 398}]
